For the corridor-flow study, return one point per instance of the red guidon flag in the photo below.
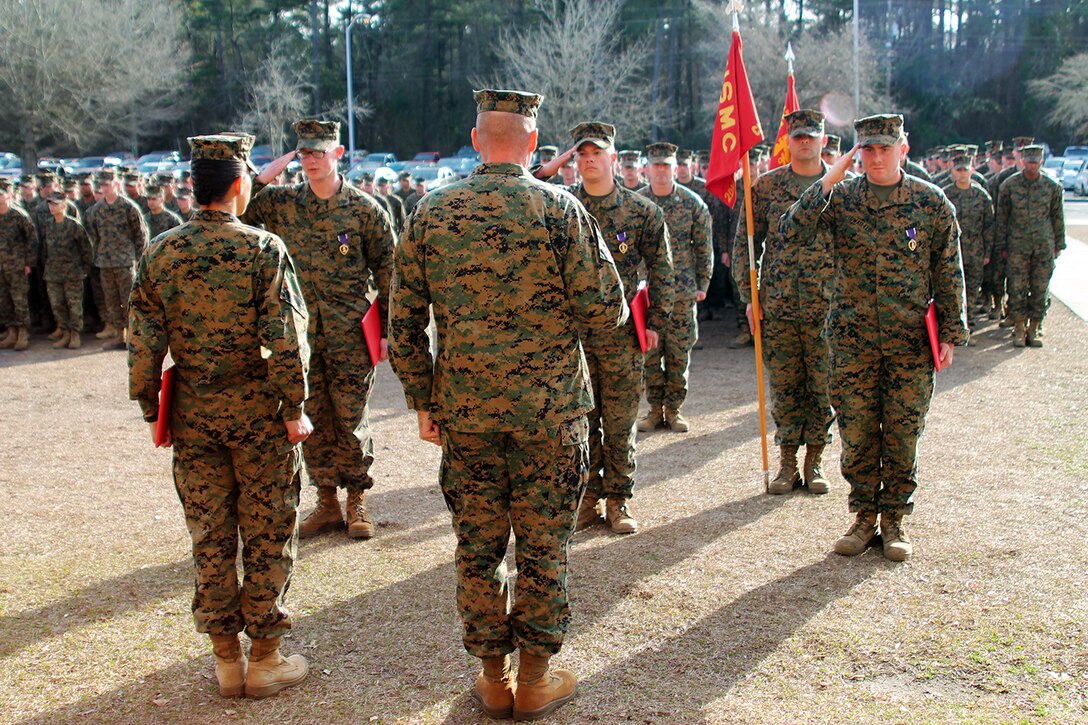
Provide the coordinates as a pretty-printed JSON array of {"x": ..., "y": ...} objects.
[
  {"x": 736, "y": 127},
  {"x": 780, "y": 156}
]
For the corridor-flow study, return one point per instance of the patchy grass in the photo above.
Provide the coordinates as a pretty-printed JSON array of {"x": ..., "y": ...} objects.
[{"x": 727, "y": 607}]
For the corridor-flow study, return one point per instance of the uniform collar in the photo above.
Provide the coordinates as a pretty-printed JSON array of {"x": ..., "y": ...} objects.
[
  {"x": 211, "y": 215},
  {"x": 611, "y": 200},
  {"x": 501, "y": 169}
]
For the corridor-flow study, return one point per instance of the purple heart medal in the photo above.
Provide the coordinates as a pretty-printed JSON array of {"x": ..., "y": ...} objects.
[
  {"x": 343, "y": 239},
  {"x": 912, "y": 244},
  {"x": 622, "y": 239}
]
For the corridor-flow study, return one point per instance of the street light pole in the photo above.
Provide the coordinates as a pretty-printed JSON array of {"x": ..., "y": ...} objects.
[{"x": 351, "y": 93}]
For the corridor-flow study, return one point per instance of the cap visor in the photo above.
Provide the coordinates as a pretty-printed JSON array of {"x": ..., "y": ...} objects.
[
  {"x": 877, "y": 140},
  {"x": 598, "y": 142},
  {"x": 316, "y": 144},
  {"x": 805, "y": 132}
]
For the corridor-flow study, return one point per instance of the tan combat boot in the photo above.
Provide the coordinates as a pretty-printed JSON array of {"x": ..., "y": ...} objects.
[
  {"x": 857, "y": 538},
  {"x": 269, "y": 671},
  {"x": 540, "y": 691},
  {"x": 654, "y": 419},
  {"x": 107, "y": 332},
  {"x": 619, "y": 516},
  {"x": 74, "y": 343},
  {"x": 22, "y": 339},
  {"x": 230, "y": 664},
  {"x": 814, "y": 477},
  {"x": 676, "y": 421},
  {"x": 495, "y": 687},
  {"x": 1031, "y": 339},
  {"x": 62, "y": 340},
  {"x": 743, "y": 338},
  {"x": 57, "y": 333},
  {"x": 327, "y": 516},
  {"x": 788, "y": 476},
  {"x": 118, "y": 343},
  {"x": 897, "y": 545},
  {"x": 589, "y": 512},
  {"x": 7, "y": 341},
  {"x": 359, "y": 524},
  {"x": 1018, "y": 335}
]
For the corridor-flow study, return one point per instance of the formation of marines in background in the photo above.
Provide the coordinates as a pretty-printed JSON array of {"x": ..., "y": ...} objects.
[{"x": 504, "y": 306}]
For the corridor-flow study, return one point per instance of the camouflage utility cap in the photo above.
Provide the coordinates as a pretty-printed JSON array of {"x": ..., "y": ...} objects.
[
  {"x": 661, "y": 153},
  {"x": 601, "y": 135},
  {"x": 961, "y": 161},
  {"x": 629, "y": 157},
  {"x": 154, "y": 192},
  {"x": 703, "y": 157},
  {"x": 57, "y": 197},
  {"x": 27, "y": 179},
  {"x": 995, "y": 146},
  {"x": 70, "y": 184},
  {"x": 185, "y": 193},
  {"x": 683, "y": 156},
  {"x": 805, "y": 122},
  {"x": 832, "y": 143},
  {"x": 5, "y": 184},
  {"x": 223, "y": 147},
  {"x": 883, "y": 129},
  {"x": 553, "y": 150},
  {"x": 1032, "y": 153},
  {"x": 317, "y": 135},
  {"x": 107, "y": 175},
  {"x": 47, "y": 178},
  {"x": 1022, "y": 141},
  {"x": 523, "y": 104},
  {"x": 383, "y": 181},
  {"x": 132, "y": 178},
  {"x": 403, "y": 175}
]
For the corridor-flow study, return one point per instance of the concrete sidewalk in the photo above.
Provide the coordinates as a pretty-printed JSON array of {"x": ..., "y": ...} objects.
[{"x": 1070, "y": 281}]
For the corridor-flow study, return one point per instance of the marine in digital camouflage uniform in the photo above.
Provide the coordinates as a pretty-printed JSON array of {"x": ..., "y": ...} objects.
[
  {"x": 995, "y": 281},
  {"x": 18, "y": 240},
  {"x": 975, "y": 213},
  {"x": 688, "y": 222},
  {"x": 1030, "y": 235},
  {"x": 186, "y": 207},
  {"x": 630, "y": 163},
  {"x": 514, "y": 268},
  {"x": 895, "y": 246},
  {"x": 342, "y": 244},
  {"x": 794, "y": 286},
  {"x": 119, "y": 235},
  {"x": 159, "y": 218},
  {"x": 396, "y": 206},
  {"x": 66, "y": 256},
  {"x": 223, "y": 299},
  {"x": 634, "y": 230}
]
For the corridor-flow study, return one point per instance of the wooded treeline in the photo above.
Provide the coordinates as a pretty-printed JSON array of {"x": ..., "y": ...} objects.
[{"x": 959, "y": 69}]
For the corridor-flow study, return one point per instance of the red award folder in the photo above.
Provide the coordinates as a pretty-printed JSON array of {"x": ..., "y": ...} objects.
[
  {"x": 372, "y": 333},
  {"x": 934, "y": 340},
  {"x": 639, "y": 307},
  {"x": 166, "y": 405}
]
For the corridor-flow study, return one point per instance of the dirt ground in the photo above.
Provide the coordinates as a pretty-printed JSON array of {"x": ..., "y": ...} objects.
[{"x": 727, "y": 607}]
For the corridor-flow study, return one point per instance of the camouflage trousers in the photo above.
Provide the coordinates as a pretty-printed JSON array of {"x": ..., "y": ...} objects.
[
  {"x": 340, "y": 451},
  {"x": 796, "y": 357},
  {"x": 734, "y": 291},
  {"x": 881, "y": 403},
  {"x": 93, "y": 296},
  {"x": 1029, "y": 270},
  {"x": 972, "y": 271},
  {"x": 236, "y": 474},
  {"x": 14, "y": 307},
  {"x": 66, "y": 298},
  {"x": 530, "y": 482},
  {"x": 615, "y": 368},
  {"x": 993, "y": 277},
  {"x": 667, "y": 365},
  {"x": 116, "y": 288}
]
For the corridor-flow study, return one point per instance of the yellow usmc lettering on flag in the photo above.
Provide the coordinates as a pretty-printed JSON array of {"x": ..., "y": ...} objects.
[{"x": 726, "y": 113}]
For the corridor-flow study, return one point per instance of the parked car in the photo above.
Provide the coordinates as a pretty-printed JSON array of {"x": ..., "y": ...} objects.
[
  {"x": 49, "y": 163},
  {"x": 380, "y": 158},
  {"x": 460, "y": 165},
  {"x": 1070, "y": 169},
  {"x": 423, "y": 158},
  {"x": 157, "y": 161},
  {"x": 379, "y": 172},
  {"x": 1080, "y": 184},
  {"x": 11, "y": 167},
  {"x": 1053, "y": 166},
  {"x": 434, "y": 176},
  {"x": 1076, "y": 152},
  {"x": 91, "y": 164}
]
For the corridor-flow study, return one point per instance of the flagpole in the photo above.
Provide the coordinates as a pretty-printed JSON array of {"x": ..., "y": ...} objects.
[{"x": 753, "y": 276}]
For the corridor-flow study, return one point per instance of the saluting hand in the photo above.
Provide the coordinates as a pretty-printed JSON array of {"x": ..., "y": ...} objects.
[
  {"x": 837, "y": 171},
  {"x": 550, "y": 169},
  {"x": 275, "y": 167}
]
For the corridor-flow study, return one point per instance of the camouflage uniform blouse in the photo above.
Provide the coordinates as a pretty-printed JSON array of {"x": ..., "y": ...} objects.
[{"x": 513, "y": 267}]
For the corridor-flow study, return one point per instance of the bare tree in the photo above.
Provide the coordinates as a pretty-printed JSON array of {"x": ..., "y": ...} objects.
[
  {"x": 1067, "y": 89},
  {"x": 823, "y": 70},
  {"x": 76, "y": 72},
  {"x": 278, "y": 97},
  {"x": 576, "y": 58}
]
